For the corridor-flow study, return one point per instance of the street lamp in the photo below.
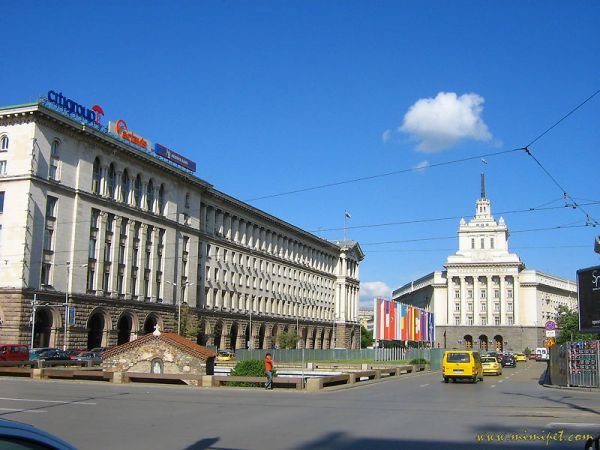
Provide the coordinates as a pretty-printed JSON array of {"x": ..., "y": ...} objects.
[{"x": 66, "y": 306}]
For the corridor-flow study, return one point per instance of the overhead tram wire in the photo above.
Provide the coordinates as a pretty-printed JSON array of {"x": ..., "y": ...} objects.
[
  {"x": 438, "y": 219},
  {"x": 590, "y": 220},
  {"x": 381, "y": 175},
  {"x": 440, "y": 238}
]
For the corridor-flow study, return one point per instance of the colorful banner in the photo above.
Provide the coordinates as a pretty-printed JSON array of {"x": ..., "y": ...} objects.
[{"x": 394, "y": 321}]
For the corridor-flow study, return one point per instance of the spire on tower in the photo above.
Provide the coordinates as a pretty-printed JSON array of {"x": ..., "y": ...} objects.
[{"x": 482, "y": 185}]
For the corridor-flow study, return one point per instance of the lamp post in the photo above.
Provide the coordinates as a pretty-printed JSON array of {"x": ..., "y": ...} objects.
[{"x": 66, "y": 306}]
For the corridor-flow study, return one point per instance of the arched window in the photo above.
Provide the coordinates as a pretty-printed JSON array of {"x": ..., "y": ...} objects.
[
  {"x": 4, "y": 142},
  {"x": 96, "y": 176},
  {"x": 112, "y": 179},
  {"x": 150, "y": 196},
  {"x": 157, "y": 366},
  {"x": 161, "y": 199},
  {"x": 125, "y": 187},
  {"x": 137, "y": 192}
]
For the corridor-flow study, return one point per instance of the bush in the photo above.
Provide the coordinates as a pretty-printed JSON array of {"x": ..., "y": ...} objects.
[
  {"x": 248, "y": 368},
  {"x": 418, "y": 361}
]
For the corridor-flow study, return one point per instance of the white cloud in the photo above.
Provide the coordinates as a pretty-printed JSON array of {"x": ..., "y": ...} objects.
[
  {"x": 386, "y": 136},
  {"x": 422, "y": 166},
  {"x": 441, "y": 122},
  {"x": 371, "y": 289}
]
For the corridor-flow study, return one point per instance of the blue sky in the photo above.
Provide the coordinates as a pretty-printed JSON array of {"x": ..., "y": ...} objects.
[{"x": 270, "y": 97}]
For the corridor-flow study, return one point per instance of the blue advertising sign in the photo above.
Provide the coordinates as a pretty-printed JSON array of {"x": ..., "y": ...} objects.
[
  {"x": 174, "y": 157},
  {"x": 71, "y": 316},
  {"x": 91, "y": 115}
]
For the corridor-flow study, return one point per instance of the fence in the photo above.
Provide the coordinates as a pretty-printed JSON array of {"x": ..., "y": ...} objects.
[
  {"x": 432, "y": 356},
  {"x": 575, "y": 364}
]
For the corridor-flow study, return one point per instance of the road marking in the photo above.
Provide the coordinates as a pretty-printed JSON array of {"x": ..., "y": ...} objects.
[
  {"x": 23, "y": 410},
  {"x": 563, "y": 425},
  {"x": 47, "y": 401},
  {"x": 424, "y": 385}
]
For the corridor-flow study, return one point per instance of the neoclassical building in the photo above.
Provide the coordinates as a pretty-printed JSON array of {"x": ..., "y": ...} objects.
[
  {"x": 104, "y": 236},
  {"x": 486, "y": 298}
]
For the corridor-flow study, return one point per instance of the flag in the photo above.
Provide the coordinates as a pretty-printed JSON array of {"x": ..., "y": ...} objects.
[{"x": 347, "y": 214}]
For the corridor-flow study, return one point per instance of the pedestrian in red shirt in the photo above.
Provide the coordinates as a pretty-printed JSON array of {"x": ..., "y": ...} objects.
[{"x": 269, "y": 371}]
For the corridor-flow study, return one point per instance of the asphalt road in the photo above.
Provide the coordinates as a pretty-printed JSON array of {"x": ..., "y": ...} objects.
[{"x": 418, "y": 411}]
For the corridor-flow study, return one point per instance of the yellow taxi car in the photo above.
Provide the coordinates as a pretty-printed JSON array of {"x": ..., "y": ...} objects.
[
  {"x": 491, "y": 366},
  {"x": 225, "y": 355},
  {"x": 520, "y": 357},
  {"x": 462, "y": 365}
]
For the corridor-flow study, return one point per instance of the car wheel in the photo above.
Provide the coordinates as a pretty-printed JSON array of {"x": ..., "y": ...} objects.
[
  {"x": 446, "y": 379},
  {"x": 475, "y": 379}
]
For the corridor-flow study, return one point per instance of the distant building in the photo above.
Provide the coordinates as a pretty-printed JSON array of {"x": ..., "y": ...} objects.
[
  {"x": 122, "y": 232},
  {"x": 365, "y": 316},
  {"x": 486, "y": 298}
]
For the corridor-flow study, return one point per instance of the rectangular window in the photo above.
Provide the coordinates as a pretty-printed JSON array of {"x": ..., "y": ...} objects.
[
  {"x": 48, "y": 239},
  {"x": 510, "y": 320},
  {"x": 484, "y": 320},
  {"x": 457, "y": 307},
  {"x": 2, "y": 168},
  {"x": 457, "y": 293},
  {"x": 482, "y": 243},
  {"x": 496, "y": 293},
  {"x": 470, "y": 307},
  {"x": 509, "y": 293},
  {"x": 51, "y": 207},
  {"x": 509, "y": 307},
  {"x": 483, "y": 293},
  {"x": 496, "y": 320},
  {"x": 496, "y": 306},
  {"x": 483, "y": 306},
  {"x": 457, "y": 321},
  {"x": 469, "y": 293},
  {"x": 470, "y": 320},
  {"x": 473, "y": 244},
  {"x": 492, "y": 243}
]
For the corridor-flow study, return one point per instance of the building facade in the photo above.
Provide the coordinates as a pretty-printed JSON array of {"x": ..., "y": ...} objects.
[
  {"x": 486, "y": 299},
  {"x": 102, "y": 238}
]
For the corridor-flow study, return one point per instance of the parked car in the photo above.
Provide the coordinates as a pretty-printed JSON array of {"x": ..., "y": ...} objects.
[
  {"x": 462, "y": 365},
  {"x": 34, "y": 353},
  {"x": 53, "y": 354},
  {"x": 14, "y": 352},
  {"x": 509, "y": 361},
  {"x": 17, "y": 435},
  {"x": 520, "y": 357},
  {"x": 225, "y": 355},
  {"x": 89, "y": 356},
  {"x": 98, "y": 350},
  {"x": 74, "y": 352},
  {"x": 491, "y": 366}
]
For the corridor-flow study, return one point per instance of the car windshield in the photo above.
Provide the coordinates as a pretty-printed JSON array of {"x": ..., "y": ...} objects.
[
  {"x": 488, "y": 359},
  {"x": 458, "y": 357}
]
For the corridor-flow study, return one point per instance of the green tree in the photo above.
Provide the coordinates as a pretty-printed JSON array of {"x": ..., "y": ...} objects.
[
  {"x": 366, "y": 337},
  {"x": 568, "y": 326},
  {"x": 189, "y": 323},
  {"x": 288, "y": 339}
]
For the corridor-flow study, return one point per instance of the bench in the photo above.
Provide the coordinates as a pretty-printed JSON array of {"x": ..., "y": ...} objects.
[
  {"x": 280, "y": 382},
  {"x": 167, "y": 378}
]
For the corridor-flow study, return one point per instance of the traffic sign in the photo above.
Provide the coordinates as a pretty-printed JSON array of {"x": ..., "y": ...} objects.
[
  {"x": 550, "y": 325},
  {"x": 550, "y": 333},
  {"x": 550, "y": 342}
]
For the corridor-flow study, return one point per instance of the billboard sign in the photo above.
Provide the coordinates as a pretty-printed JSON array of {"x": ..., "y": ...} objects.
[
  {"x": 120, "y": 129},
  {"x": 91, "y": 115},
  {"x": 588, "y": 296},
  {"x": 394, "y": 321},
  {"x": 174, "y": 157}
]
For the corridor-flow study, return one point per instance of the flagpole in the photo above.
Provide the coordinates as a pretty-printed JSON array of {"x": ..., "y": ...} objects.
[{"x": 345, "y": 225}]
